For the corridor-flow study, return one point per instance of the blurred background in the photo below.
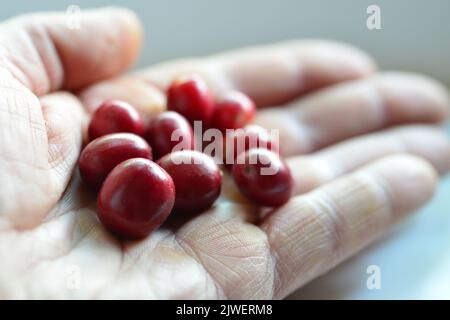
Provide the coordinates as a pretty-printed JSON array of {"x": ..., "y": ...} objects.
[
  {"x": 415, "y": 34},
  {"x": 414, "y": 259}
]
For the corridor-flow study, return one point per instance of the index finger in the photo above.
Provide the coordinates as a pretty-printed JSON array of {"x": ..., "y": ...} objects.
[{"x": 270, "y": 74}]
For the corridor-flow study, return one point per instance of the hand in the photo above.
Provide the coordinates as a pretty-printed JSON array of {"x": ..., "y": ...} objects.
[{"x": 352, "y": 138}]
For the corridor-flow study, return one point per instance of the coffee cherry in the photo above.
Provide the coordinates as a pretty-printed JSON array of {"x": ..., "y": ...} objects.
[
  {"x": 190, "y": 96},
  {"x": 263, "y": 177},
  {"x": 115, "y": 116},
  {"x": 100, "y": 156},
  {"x": 234, "y": 110},
  {"x": 251, "y": 136},
  {"x": 136, "y": 198},
  {"x": 197, "y": 180},
  {"x": 167, "y": 130}
]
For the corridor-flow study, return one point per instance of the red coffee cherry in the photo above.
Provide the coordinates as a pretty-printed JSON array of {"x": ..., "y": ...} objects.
[
  {"x": 197, "y": 180},
  {"x": 100, "y": 156},
  {"x": 233, "y": 110},
  {"x": 189, "y": 96},
  {"x": 115, "y": 116},
  {"x": 136, "y": 198},
  {"x": 263, "y": 177},
  {"x": 160, "y": 131},
  {"x": 251, "y": 136}
]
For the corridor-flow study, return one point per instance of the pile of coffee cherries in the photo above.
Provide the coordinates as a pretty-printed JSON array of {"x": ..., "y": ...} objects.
[{"x": 144, "y": 173}]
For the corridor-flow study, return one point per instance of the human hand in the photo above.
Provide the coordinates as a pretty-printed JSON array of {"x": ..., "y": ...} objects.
[{"x": 361, "y": 145}]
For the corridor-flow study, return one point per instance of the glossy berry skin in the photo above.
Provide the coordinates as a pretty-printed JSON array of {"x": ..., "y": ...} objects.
[
  {"x": 269, "y": 188},
  {"x": 189, "y": 96},
  {"x": 234, "y": 110},
  {"x": 100, "y": 156},
  {"x": 160, "y": 130},
  {"x": 136, "y": 198},
  {"x": 251, "y": 136},
  {"x": 115, "y": 116},
  {"x": 197, "y": 180}
]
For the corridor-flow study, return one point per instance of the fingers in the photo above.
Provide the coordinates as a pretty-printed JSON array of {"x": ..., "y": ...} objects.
[
  {"x": 355, "y": 108},
  {"x": 270, "y": 74},
  {"x": 44, "y": 54},
  {"x": 148, "y": 99},
  {"x": 430, "y": 143},
  {"x": 315, "y": 232}
]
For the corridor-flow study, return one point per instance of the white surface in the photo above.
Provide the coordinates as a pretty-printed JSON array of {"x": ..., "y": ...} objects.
[{"x": 414, "y": 259}]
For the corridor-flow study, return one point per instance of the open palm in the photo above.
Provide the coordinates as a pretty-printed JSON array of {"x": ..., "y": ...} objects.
[{"x": 361, "y": 146}]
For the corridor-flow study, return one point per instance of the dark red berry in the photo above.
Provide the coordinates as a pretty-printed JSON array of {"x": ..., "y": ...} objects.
[
  {"x": 197, "y": 180},
  {"x": 234, "y": 110},
  {"x": 136, "y": 198},
  {"x": 251, "y": 136},
  {"x": 115, "y": 116},
  {"x": 167, "y": 131},
  {"x": 263, "y": 177},
  {"x": 189, "y": 96},
  {"x": 100, "y": 156}
]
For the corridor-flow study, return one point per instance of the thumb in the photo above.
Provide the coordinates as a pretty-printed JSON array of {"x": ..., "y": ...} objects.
[
  {"x": 40, "y": 138},
  {"x": 45, "y": 54}
]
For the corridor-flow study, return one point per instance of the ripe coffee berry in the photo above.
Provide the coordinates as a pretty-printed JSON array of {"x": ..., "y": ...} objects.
[
  {"x": 100, "y": 156},
  {"x": 197, "y": 180},
  {"x": 136, "y": 198},
  {"x": 251, "y": 136},
  {"x": 263, "y": 177},
  {"x": 232, "y": 111},
  {"x": 167, "y": 131},
  {"x": 190, "y": 96},
  {"x": 115, "y": 116}
]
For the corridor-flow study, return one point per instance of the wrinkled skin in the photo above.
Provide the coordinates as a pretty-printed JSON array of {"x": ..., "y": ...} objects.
[{"x": 364, "y": 151}]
